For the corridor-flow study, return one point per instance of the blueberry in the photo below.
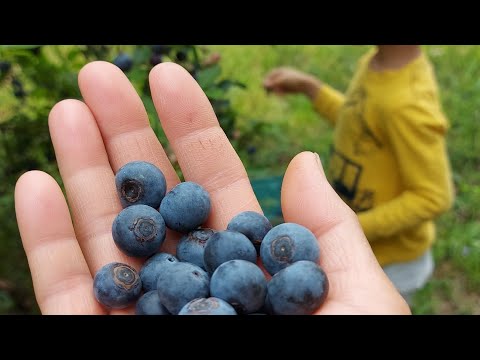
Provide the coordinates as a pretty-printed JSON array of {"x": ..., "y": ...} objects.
[
  {"x": 208, "y": 306},
  {"x": 287, "y": 243},
  {"x": 152, "y": 267},
  {"x": 185, "y": 207},
  {"x": 240, "y": 283},
  {"x": 191, "y": 247},
  {"x": 149, "y": 304},
  {"x": 251, "y": 224},
  {"x": 160, "y": 49},
  {"x": 139, "y": 230},
  {"x": 267, "y": 307},
  {"x": 181, "y": 55},
  {"x": 35, "y": 50},
  {"x": 227, "y": 245},
  {"x": 18, "y": 90},
  {"x": 155, "y": 59},
  {"x": 139, "y": 182},
  {"x": 117, "y": 285},
  {"x": 5, "y": 66},
  {"x": 180, "y": 283},
  {"x": 124, "y": 62},
  {"x": 299, "y": 289}
]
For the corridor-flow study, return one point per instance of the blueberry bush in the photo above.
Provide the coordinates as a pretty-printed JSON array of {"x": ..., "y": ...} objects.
[{"x": 32, "y": 79}]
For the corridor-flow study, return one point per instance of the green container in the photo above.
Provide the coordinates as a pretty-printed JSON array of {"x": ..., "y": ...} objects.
[{"x": 267, "y": 190}]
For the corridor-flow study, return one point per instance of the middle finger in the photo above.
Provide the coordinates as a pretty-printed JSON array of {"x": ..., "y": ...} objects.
[{"x": 202, "y": 148}]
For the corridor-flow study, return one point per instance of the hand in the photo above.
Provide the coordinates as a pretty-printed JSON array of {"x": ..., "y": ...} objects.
[
  {"x": 92, "y": 140},
  {"x": 285, "y": 80},
  {"x": 213, "y": 59}
]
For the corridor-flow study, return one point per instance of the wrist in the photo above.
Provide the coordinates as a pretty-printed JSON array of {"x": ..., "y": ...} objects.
[{"x": 311, "y": 88}]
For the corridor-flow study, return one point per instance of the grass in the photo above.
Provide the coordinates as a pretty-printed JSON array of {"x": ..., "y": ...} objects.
[
  {"x": 293, "y": 115},
  {"x": 456, "y": 283}
]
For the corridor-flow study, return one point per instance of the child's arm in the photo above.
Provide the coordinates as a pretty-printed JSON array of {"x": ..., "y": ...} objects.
[
  {"x": 327, "y": 101},
  {"x": 417, "y": 136}
]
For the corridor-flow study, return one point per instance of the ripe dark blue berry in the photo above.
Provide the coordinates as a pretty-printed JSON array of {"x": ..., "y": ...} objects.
[
  {"x": 208, "y": 306},
  {"x": 139, "y": 230},
  {"x": 185, "y": 207},
  {"x": 227, "y": 245},
  {"x": 35, "y": 50},
  {"x": 240, "y": 283},
  {"x": 181, "y": 55},
  {"x": 299, "y": 289},
  {"x": 287, "y": 243},
  {"x": 160, "y": 49},
  {"x": 151, "y": 269},
  {"x": 155, "y": 59},
  {"x": 180, "y": 283},
  {"x": 18, "y": 90},
  {"x": 149, "y": 304},
  {"x": 4, "y": 66},
  {"x": 124, "y": 62},
  {"x": 191, "y": 247},
  {"x": 117, "y": 285},
  {"x": 139, "y": 182},
  {"x": 251, "y": 224}
]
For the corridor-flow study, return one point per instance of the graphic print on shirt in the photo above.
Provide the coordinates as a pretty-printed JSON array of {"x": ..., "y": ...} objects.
[
  {"x": 346, "y": 173},
  {"x": 364, "y": 140}
]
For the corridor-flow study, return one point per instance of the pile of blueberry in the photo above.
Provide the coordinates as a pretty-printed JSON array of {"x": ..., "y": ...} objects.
[{"x": 213, "y": 272}]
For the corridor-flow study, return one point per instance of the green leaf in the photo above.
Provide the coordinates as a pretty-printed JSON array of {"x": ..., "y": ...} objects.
[
  {"x": 207, "y": 77},
  {"x": 221, "y": 105},
  {"x": 137, "y": 77},
  {"x": 227, "y": 84},
  {"x": 15, "y": 47},
  {"x": 141, "y": 54},
  {"x": 214, "y": 92}
]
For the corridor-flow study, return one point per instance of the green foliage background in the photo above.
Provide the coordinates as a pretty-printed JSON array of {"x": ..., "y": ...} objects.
[
  {"x": 267, "y": 131},
  {"x": 32, "y": 80}
]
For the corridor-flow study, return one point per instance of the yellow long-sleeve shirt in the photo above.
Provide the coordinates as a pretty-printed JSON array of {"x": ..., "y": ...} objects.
[{"x": 389, "y": 161}]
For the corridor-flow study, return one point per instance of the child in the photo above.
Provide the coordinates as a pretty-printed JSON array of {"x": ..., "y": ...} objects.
[{"x": 389, "y": 161}]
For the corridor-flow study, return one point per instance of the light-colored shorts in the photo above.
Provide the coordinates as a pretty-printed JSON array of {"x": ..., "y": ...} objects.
[{"x": 408, "y": 277}]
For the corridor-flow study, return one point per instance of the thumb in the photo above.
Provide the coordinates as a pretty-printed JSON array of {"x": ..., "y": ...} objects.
[
  {"x": 355, "y": 277},
  {"x": 308, "y": 199}
]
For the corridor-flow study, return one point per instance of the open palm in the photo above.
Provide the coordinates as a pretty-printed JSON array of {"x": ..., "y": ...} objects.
[{"x": 93, "y": 139}]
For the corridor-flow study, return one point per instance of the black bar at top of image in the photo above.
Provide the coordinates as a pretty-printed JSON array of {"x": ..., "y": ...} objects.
[{"x": 246, "y": 25}]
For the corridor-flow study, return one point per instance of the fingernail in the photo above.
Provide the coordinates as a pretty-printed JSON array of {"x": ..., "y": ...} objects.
[{"x": 319, "y": 163}]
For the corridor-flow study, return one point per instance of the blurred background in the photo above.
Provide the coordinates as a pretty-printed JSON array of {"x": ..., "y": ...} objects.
[{"x": 267, "y": 131}]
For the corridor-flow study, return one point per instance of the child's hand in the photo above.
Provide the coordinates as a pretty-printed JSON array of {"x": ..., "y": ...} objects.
[
  {"x": 290, "y": 81},
  {"x": 92, "y": 140}
]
